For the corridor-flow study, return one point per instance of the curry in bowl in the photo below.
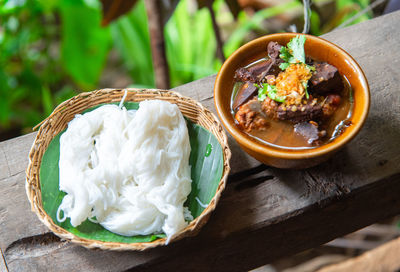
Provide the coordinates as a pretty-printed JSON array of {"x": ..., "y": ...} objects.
[{"x": 288, "y": 100}]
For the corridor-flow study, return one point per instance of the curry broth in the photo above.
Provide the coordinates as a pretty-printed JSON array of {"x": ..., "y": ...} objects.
[{"x": 281, "y": 133}]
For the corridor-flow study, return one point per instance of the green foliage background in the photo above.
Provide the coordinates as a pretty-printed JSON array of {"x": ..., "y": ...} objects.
[{"x": 52, "y": 49}]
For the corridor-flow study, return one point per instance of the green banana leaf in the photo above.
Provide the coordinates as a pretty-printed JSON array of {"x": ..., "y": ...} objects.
[{"x": 206, "y": 160}]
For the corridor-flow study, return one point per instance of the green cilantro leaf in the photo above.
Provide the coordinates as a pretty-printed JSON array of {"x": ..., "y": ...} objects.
[
  {"x": 285, "y": 54},
  {"x": 305, "y": 85},
  {"x": 296, "y": 46},
  {"x": 271, "y": 91},
  {"x": 310, "y": 67},
  {"x": 294, "y": 52},
  {"x": 262, "y": 94},
  {"x": 284, "y": 65}
]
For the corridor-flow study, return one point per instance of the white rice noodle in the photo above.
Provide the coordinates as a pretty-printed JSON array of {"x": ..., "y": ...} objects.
[{"x": 128, "y": 169}]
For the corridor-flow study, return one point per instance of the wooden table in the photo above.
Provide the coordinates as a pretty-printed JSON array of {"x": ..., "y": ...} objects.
[{"x": 264, "y": 213}]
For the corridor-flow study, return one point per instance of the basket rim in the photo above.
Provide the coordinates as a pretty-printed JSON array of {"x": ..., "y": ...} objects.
[{"x": 33, "y": 189}]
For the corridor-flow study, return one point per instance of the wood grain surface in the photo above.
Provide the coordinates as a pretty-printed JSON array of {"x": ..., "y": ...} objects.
[
  {"x": 383, "y": 258},
  {"x": 3, "y": 267},
  {"x": 264, "y": 213}
]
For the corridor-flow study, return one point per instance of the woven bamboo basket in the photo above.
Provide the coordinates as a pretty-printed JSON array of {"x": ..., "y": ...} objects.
[{"x": 58, "y": 120}]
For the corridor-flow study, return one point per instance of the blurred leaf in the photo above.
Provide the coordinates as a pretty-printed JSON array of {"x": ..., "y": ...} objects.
[
  {"x": 4, "y": 104},
  {"x": 246, "y": 24},
  {"x": 48, "y": 5},
  {"x": 29, "y": 78},
  {"x": 190, "y": 44},
  {"x": 346, "y": 9},
  {"x": 94, "y": 4},
  {"x": 340, "y": 16},
  {"x": 47, "y": 101},
  {"x": 132, "y": 40},
  {"x": 84, "y": 44},
  {"x": 112, "y": 9},
  {"x": 27, "y": 116},
  {"x": 178, "y": 39},
  {"x": 16, "y": 69},
  {"x": 343, "y": 3},
  {"x": 64, "y": 94},
  {"x": 10, "y": 6},
  {"x": 315, "y": 24},
  {"x": 12, "y": 24}
]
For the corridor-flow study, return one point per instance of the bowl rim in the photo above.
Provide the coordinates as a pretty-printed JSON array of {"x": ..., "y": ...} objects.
[
  {"x": 49, "y": 128},
  {"x": 288, "y": 153}
]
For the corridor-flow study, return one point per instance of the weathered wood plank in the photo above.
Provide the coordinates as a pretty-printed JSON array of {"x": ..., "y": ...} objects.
[
  {"x": 317, "y": 225},
  {"x": 3, "y": 266},
  {"x": 16, "y": 219},
  {"x": 259, "y": 218},
  {"x": 4, "y": 170},
  {"x": 383, "y": 258},
  {"x": 217, "y": 248},
  {"x": 14, "y": 151},
  {"x": 200, "y": 90}
]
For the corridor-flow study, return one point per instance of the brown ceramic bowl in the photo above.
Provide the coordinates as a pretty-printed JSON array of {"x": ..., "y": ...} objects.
[{"x": 318, "y": 49}]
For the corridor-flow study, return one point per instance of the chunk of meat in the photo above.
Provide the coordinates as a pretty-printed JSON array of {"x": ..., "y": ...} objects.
[
  {"x": 274, "y": 50},
  {"x": 326, "y": 78},
  {"x": 331, "y": 104},
  {"x": 314, "y": 109},
  {"x": 296, "y": 114},
  {"x": 247, "y": 91},
  {"x": 256, "y": 73},
  {"x": 308, "y": 130},
  {"x": 270, "y": 107},
  {"x": 249, "y": 116}
]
